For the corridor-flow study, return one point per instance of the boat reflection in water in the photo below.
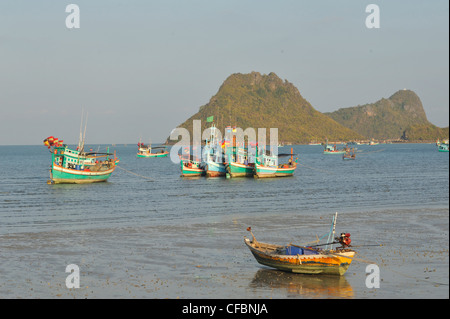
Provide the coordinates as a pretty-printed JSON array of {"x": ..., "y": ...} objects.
[{"x": 300, "y": 285}]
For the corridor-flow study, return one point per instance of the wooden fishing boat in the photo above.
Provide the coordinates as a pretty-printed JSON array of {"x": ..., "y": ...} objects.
[
  {"x": 213, "y": 157},
  {"x": 214, "y": 169},
  {"x": 267, "y": 166},
  {"x": 71, "y": 166},
  {"x": 331, "y": 149},
  {"x": 240, "y": 169},
  {"x": 238, "y": 164},
  {"x": 146, "y": 151},
  {"x": 350, "y": 154},
  {"x": 304, "y": 260},
  {"x": 191, "y": 168}
]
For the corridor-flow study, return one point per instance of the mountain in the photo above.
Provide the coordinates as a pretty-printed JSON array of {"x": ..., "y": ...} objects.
[
  {"x": 401, "y": 115},
  {"x": 426, "y": 132},
  {"x": 265, "y": 101}
]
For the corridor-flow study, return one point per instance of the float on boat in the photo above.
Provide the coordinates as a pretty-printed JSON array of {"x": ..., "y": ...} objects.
[
  {"x": 71, "y": 166},
  {"x": 304, "y": 260}
]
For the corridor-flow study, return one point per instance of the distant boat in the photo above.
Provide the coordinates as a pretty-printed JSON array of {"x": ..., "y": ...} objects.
[
  {"x": 267, "y": 166},
  {"x": 146, "y": 151},
  {"x": 443, "y": 147},
  {"x": 332, "y": 149},
  {"x": 373, "y": 143},
  {"x": 350, "y": 154},
  {"x": 304, "y": 260},
  {"x": 77, "y": 166}
]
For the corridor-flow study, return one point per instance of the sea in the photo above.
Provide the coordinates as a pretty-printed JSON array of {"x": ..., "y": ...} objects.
[{"x": 149, "y": 233}]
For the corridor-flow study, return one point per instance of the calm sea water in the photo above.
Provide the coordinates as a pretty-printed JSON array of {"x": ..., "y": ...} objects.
[{"x": 152, "y": 234}]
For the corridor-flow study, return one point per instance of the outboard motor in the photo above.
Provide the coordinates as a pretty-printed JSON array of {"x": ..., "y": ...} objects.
[{"x": 345, "y": 240}]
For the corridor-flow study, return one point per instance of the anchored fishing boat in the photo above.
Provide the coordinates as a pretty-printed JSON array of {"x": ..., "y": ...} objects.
[
  {"x": 267, "y": 166},
  {"x": 443, "y": 147},
  {"x": 238, "y": 163},
  {"x": 332, "y": 149},
  {"x": 190, "y": 167},
  {"x": 350, "y": 154},
  {"x": 305, "y": 260},
  {"x": 71, "y": 166},
  {"x": 213, "y": 157},
  {"x": 146, "y": 151},
  {"x": 236, "y": 169}
]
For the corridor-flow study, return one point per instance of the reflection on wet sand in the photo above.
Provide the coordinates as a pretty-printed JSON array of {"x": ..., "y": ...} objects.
[{"x": 305, "y": 286}]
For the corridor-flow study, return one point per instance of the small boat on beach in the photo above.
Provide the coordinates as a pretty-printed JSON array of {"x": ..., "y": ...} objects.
[
  {"x": 146, "y": 151},
  {"x": 305, "y": 260},
  {"x": 75, "y": 166}
]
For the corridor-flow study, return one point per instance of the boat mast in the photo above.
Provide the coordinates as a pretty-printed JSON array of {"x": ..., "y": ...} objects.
[
  {"x": 331, "y": 234},
  {"x": 81, "y": 127},
  {"x": 82, "y": 136}
]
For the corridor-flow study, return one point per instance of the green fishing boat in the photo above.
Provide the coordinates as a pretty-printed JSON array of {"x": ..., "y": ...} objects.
[
  {"x": 267, "y": 166},
  {"x": 191, "y": 167},
  {"x": 443, "y": 147},
  {"x": 238, "y": 164},
  {"x": 71, "y": 166},
  {"x": 332, "y": 149},
  {"x": 146, "y": 151},
  {"x": 240, "y": 170}
]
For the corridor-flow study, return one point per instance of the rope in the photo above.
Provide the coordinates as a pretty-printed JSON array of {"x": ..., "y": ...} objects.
[
  {"x": 363, "y": 153},
  {"x": 148, "y": 178},
  {"x": 316, "y": 169}
]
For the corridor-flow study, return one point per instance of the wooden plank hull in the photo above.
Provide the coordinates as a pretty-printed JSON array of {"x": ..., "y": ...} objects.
[
  {"x": 240, "y": 170},
  {"x": 334, "y": 152},
  {"x": 322, "y": 263},
  {"x": 215, "y": 169},
  {"x": 165, "y": 154}
]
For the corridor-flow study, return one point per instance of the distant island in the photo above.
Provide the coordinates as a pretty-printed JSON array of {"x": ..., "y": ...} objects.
[
  {"x": 401, "y": 116},
  {"x": 265, "y": 101}
]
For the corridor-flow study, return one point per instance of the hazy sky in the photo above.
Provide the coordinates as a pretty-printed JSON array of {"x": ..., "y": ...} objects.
[{"x": 140, "y": 68}]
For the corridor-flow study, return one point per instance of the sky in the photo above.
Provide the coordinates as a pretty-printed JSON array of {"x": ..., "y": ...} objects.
[{"x": 141, "y": 68}]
